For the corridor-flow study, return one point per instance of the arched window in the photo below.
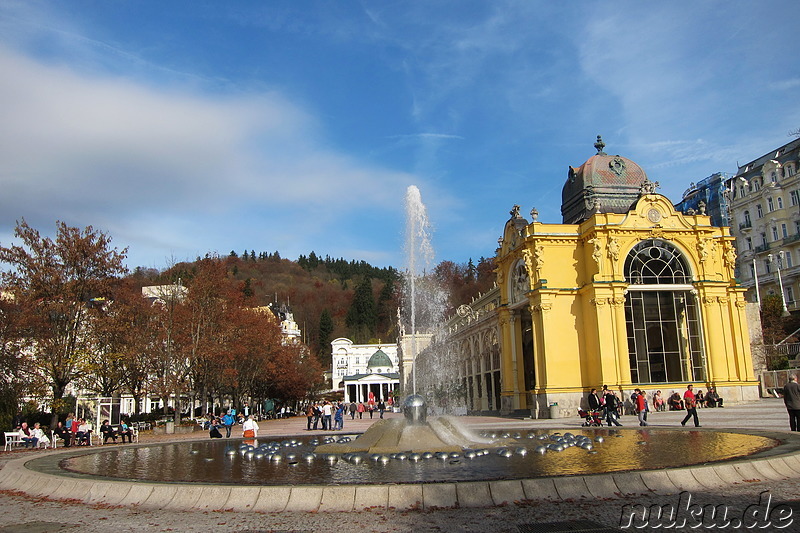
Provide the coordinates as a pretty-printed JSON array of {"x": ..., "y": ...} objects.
[
  {"x": 662, "y": 316},
  {"x": 747, "y": 220},
  {"x": 654, "y": 262}
]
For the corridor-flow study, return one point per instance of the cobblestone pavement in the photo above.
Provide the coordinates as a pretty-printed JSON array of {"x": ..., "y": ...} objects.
[{"x": 20, "y": 513}]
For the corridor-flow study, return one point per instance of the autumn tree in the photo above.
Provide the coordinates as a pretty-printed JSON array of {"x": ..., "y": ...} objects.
[
  {"x": 133, "y": 315},
  {"x": 14, "y": 342},
  {"x": 54, "y": 281}
]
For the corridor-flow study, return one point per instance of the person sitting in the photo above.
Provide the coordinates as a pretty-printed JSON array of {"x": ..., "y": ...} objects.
[
  {"x": 700, "y": 398},
  {"x": 713, "y": 399},
  {"x": 675, "y": 402},
  {"x": 27, "y": 436},
  {"x": 108, "y": 432},
  {"x": 658, "y": 401},
  {"x": 125, "y": 431},
  {"x": 213, "y": 429},
  {"x": 40, "y": 435},
  {"x": 63, "y": 433},
  {"x": 83, "y": 433}
]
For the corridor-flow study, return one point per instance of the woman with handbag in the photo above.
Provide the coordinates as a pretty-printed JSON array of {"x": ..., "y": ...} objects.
[{"x": 249, "y": 428}]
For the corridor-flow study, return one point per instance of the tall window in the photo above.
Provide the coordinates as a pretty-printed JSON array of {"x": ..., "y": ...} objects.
[
  {"x": 770, "y": 205},
  {"x": 784, "y": 231},
  {"x": 662, "y": 316},
  {"x": 749, "y": 242},
  {"x": 759, "y": 211},
  {"x": 794, "y": 197},
  {"x": 780, "y": 202},
  {"x": 774, "y": 233}
]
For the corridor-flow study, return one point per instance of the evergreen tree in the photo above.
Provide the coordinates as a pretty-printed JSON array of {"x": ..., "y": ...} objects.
[
  {"x": 325, "y": 331},
  {"x": 362, "y": 316},
  {"x": 247, "y": 290}
]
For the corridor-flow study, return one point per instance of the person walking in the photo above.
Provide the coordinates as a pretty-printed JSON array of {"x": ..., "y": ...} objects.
[
  {"x": 352, "y": 409},
  {"x": 360, "y": 408},
  {"x": 791, "y": 398},
  {"x": 381, "y": 407},
  {"x": 690, "y": 403},
  {"x": 610, "y": 404},
  {"x": 310, "y": 416},
  {"x": 641, "y": 407},
  {"x": 327, "y": 410},
  {"x": 593, "y": 400},
  {"x": 228, "y": 421}
]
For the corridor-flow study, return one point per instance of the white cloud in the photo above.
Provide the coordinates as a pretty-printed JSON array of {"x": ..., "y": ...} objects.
[{"x": 114, "y": 153}]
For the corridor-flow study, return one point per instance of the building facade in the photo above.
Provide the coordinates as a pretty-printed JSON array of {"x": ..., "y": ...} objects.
[
  {"x": 765, "y": 220},
  {"x": 364, "y": 372},
  {"x": 709, "y": 196},
  {"x": 625, "y": 292}
]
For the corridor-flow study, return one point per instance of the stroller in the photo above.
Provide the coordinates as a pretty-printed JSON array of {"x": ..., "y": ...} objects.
[{"x": 591, "y": 418}]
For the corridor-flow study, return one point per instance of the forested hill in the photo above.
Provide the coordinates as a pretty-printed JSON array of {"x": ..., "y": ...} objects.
[{"x": 332, "y": 298}]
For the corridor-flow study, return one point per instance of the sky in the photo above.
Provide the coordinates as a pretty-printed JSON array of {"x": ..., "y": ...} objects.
[{"x": 184, "y": 128}]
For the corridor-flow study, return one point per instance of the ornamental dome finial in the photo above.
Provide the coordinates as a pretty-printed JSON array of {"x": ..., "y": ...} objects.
[{"x": 599, "y": 145}]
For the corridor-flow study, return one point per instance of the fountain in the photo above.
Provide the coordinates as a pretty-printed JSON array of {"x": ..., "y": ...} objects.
[{"x": 398, "y": 463}]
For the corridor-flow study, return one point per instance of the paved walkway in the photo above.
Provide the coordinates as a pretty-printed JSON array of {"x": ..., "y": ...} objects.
[{"x": 598, "y": 500}]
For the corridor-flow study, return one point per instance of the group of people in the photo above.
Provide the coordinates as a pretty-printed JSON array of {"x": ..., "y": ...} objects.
[
  {"x": 215, "y": 424},
  {"x": 73, "y": 431},
  {"x": 677, "y": 403},
  {"x": 609, "y": 405},
  {"x": 331, "y": 414},
  {"x": 32, "y": 436},
  {"x": 113, "y": 432}
]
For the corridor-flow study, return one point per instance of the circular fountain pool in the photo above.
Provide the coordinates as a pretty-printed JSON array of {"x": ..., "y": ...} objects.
[{"x": 292, "y": 461}]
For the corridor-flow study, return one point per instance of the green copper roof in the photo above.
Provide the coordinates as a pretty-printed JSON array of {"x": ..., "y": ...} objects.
[{"x": 379, "y": 359}]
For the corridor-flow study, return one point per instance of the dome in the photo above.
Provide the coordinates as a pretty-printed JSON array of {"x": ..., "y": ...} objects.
[
  {"x": 603, "y": 184},
  {"x": 379, "y": 360}
]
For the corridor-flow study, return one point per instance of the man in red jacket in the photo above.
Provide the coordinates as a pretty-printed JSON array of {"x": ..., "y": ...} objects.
[{"x": 690, "y": 403}]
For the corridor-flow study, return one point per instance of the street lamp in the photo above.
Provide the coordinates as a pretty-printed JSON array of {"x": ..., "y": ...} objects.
[
  {"x": 780, "y": 281},
  {"x": 755, "y": 275}
]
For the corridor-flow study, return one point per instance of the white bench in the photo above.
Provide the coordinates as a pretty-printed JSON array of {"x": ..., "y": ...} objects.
[
  {"x": 13, "y": 438},
  {"x": 134, "y": 434}
]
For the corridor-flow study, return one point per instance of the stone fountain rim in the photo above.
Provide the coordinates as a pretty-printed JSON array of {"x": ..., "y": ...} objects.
[{"x": 42, "y": 477}]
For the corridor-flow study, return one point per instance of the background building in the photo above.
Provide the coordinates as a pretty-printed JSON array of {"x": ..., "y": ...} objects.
[
  {"x": 364, "y": 372},
  {"x": 709, "y": 196},
  {"x": 765, "y": 219}
]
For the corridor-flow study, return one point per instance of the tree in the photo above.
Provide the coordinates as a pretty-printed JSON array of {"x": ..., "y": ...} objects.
[
  {"x": 54, "y": 281},
  {"x": 13, "y": 345},
  {"x": 362, "y": 317},
  {"x": 325, "y": 330}
]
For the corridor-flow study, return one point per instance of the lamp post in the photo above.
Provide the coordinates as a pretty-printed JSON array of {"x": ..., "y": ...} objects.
[
  {"x": 755, "y": 275},
  {"x": 780, "y": 281}
]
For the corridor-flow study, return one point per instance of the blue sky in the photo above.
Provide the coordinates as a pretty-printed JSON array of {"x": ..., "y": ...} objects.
[{"x": 182, "y": 128}]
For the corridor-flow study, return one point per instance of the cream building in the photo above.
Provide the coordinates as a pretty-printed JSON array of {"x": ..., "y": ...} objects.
[
  {"x": 765, "y": 212},
  {"x": 364, "y": 372}
]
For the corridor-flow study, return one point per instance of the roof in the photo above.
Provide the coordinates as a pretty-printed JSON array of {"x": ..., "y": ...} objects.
[
  {"x": 357, "y": 377},
  {"x": 379, "y": 359},
  {"x": 604, "y": 183}
]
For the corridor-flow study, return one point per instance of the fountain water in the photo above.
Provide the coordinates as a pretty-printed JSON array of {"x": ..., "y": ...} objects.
[{"x": 424, "y": 304}]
